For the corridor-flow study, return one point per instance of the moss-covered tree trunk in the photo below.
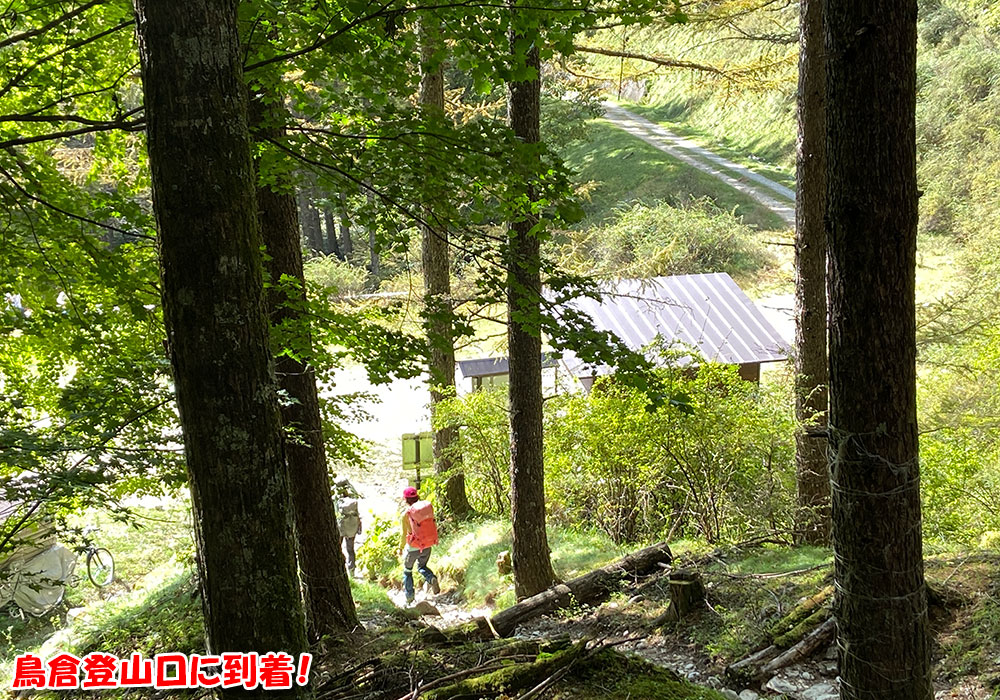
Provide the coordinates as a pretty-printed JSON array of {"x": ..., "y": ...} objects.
[
  {"x": 437, "y": 290},
  {"x": 881, "y": 602},
  {"x": 530, "y": 551},
  {"x": 325, "y": 585},
  {"x": 811, "y": 374},
  {"x": 212, "y": 288}
]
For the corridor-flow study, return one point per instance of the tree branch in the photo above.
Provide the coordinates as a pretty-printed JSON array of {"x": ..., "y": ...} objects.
[
  {"x": 108, "y": 227},
  {"x": 61, "y": 118},
  {"x": 136, "y": 125},
  {"x": 665, "y": 62},
  {"x": 23, "y": 36},
  {"x": 15, "y": 81},
  {"x": 385, "y": 9}
]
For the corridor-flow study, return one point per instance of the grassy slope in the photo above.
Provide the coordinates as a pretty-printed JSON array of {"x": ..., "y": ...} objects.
[
  {"x": 748, "y": 591},
  {"x": 623, "y": 169},
  {"x": 750, "y": 118},
  {"x": 768, "y": 156},
  {"x": 468, "y": 557}
]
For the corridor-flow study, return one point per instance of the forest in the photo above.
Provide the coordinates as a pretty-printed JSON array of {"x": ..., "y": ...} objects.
[{"x": 679, "y": 316}]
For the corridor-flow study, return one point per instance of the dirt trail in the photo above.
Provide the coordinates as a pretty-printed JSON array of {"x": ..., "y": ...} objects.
[{"x": 773, "y": 195}]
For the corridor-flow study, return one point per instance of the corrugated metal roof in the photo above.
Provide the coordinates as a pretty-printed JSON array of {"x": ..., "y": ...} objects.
[
  {"x": 483, "y": 367},
  {"x": 709, "y": 312},
  {"x": 493, "y": 366}
]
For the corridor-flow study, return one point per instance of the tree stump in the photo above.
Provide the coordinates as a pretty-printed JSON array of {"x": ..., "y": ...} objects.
[{"x": 687, "y": 593}]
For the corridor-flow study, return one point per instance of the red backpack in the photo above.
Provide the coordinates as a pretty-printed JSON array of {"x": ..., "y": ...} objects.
[{"x": 423, "y": 530}]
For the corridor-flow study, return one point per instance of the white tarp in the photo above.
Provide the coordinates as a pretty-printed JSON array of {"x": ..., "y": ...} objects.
[{"x": 38, "y": 584}]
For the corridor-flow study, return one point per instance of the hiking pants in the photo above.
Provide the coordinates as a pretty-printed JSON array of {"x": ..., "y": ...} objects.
[
  {"x": 349, "y": 547},
  {"x": 420, "y": 557}
]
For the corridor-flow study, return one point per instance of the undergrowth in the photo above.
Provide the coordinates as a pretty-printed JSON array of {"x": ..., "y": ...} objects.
[{"x": 750, "y": 592}]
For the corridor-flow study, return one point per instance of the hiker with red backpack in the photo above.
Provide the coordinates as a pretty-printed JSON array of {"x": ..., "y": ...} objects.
[{"x": 419, "y": 535}]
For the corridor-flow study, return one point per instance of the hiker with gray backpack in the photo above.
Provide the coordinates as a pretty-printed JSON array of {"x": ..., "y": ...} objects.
[
  {"x": 419, "y": 535},
  {"x": 348, "y": 518}
]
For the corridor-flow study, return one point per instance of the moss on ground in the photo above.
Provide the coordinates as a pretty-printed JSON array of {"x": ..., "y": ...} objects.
[
  {"x": 604, "y": 674},
  {"x": 610, "y": 674}
]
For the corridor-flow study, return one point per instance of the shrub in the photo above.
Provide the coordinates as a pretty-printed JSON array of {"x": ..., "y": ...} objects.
[
  {"x": 721, "y": 470},
  {"x": 960, "y": 484},
  {"x": 332, "y": 273},
  {"x": 484, "y": 446},
  {"x": 603, "y": 464},
  {"x": 615, "y": 466},
  {"x": 378, "y": 556},
  {"x": 959, "y": 447},
  {"x": 650, "y": 241}
]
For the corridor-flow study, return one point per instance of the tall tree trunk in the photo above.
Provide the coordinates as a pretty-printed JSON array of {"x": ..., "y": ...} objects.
[
  {"x": 300, "y": 199},
  {"x": 530, "y": 552},
  {"x": 326, "y": 588},
  {"x": 309, "y": 215},
  {"x": 437, "y": 294},
  {"x": 346, "y": 244},
  {"x": 212, "y": 282},
  {"x": 881, "y": 603},
  {"x": 332, "y": 244},
  {"x": 811, "y": 375},
  {"x": 374, "y": 260}
]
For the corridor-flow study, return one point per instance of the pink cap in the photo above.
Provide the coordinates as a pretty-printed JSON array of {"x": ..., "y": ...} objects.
[{"x": 409, "y": 492}]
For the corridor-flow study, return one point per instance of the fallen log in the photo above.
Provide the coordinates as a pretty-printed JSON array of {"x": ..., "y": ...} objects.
[
  {"x": 810, "y": 643},
  {"x": 803, "y": 618},
  {"x": 589, "y": 588},
  {"x": 745, "y": 669},
  {"x": 789, "y": 633}
]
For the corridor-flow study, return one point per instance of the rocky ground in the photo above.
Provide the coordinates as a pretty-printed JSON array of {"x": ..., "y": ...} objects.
[
  {"x": 967, "y": 665},
  {"x": 625, "y": 623}
]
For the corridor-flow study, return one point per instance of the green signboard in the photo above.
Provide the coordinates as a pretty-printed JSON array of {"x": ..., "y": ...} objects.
[{"x": 418, "y": 450}]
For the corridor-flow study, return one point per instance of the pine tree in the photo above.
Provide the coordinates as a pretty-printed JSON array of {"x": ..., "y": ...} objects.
[
  {"x": 881, "y": 602},
  {"x": 530, "y": 551}
]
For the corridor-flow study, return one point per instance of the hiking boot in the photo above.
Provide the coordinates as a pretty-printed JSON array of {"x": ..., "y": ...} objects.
[
  {"x": 435, "y": 586},
  {"x": 409, "y": 600}
]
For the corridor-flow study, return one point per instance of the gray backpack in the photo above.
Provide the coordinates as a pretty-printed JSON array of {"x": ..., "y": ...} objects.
[{"x": 349, "y": 522}]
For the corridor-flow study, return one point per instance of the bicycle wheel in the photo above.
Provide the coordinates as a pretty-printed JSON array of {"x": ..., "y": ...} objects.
[{"x": 100, "y": 567}]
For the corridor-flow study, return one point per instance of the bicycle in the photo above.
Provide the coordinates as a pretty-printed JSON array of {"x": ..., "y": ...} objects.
[{"x": 100, "y": 562}]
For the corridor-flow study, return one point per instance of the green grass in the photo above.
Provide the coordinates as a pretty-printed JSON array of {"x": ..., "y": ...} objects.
[
  {"x": 755, "y": 588},
  {"x": 764, "y": 153},
  {"x": 750, "y": 119},
  {"x": 624, "y": 169},
  {"x": 468, "y": 558},
  {"x": 773, "y": 559},
  {"x": 154, "y": 605},
  {"x": 371, "y": 598},
  {"x": 155, "y": 537},
  {"x": 164, "y": 615}
]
